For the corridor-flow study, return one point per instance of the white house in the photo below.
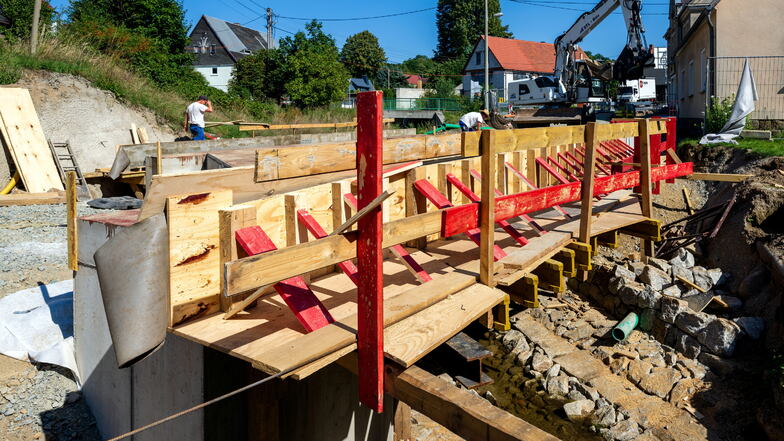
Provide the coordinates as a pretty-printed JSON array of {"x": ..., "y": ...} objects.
[
  {"x": 218, "y": 45},
  {"x": 510, "y": 60}
]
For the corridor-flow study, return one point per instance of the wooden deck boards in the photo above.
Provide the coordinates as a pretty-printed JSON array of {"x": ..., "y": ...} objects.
[{"x": 270, "y": 326}]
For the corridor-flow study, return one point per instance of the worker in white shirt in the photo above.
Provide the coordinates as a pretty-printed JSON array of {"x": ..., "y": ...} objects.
[
  {"x": 194, "y": 117},
  {"x": 473, "y": 121}
]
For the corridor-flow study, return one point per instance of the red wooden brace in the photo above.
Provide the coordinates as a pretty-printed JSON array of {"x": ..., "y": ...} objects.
[
  {"x": 308, "y": 309},
  {"x": 315, "y": 229}
]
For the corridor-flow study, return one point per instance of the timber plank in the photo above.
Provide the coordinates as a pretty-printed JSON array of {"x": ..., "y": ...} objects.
[
  {"x": 416, "y": 336},
  {"x": 26, "y": 141},
  {"x": 32, "y": 199},
  {"x": 194, "y": 253}
]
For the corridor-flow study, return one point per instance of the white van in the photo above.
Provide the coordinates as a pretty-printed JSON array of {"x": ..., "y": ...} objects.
[{"x": 541, "y": 90}]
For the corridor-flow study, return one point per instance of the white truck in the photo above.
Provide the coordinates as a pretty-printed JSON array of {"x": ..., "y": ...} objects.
[{"x": 634, "y": 91}]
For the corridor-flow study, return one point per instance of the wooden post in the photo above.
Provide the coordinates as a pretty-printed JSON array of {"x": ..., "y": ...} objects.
[
  {"x": 73, "y": 241},
  {"x": 415, "y": 202},
  {"x": 402, "y": 423},
  {"x": 229, "y": 221},
  {"x": 34, "y": 29},
  {"x": 486, "y": 209},
  {"x": 646, "y": 246},
  {"x": 370, "y": 291},
  {"x": 586, "y": 209},
  {"x": 158, "y": 159}
]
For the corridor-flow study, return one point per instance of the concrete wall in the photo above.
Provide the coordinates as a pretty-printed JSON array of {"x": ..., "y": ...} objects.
[
  {"x": 123, "y": 399},
  {"x": 219, "y": 79}
]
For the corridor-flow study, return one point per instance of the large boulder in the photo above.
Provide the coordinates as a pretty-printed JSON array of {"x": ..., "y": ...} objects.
[
  {"x": 702, "y": 278},
  {"x": 754, "y": 282},
  {"x": 692, "y": 322},
  {"x": 514, "y": 341},
  {"x": 720, "y": 337},
  {"x": 660, "y": 381},
  {"x": 631, "y": 292},
  {"x": 654, "y": 277},
  {"x": 626, "y": 430},
  {"x": 671, "y": 308},
  {"x": 660, "y": 264},
  {"x": 683, "y": 258},
  {"x": 579, "y": 410},
  {"x": 688, "y": 346},
  {"x": 751, "y": 326}
]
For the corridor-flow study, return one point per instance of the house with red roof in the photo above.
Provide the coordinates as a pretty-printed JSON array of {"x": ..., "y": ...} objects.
[{"x": 510, "y": 60}]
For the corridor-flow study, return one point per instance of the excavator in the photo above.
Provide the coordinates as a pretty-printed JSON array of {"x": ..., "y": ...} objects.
[{"x": 584, "y": 81}]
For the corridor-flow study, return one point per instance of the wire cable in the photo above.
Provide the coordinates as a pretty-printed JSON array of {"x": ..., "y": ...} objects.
[
  {"x": 203, "y": 405},
  {"x": 359, "y": 18}
]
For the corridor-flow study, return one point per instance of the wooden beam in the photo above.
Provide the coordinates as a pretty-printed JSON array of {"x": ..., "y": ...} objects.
[
  {"x": 586, "y": 207},
  {"x": 550, "y": 274},
  {"x": 722, "y": 177},
  {"x": 304, "y": 160},
  {"x": 646, "y": 187},
  {"x": 525, "y": 291},
  {"x": 73, "y": 240},
  {"x": 402, "y": 422},
  {"x": 459, "y": 410},
  {"x": 33, "y": 199},
  {"x": 370, "y": 288},
  {"x": 487, "y": 210}
]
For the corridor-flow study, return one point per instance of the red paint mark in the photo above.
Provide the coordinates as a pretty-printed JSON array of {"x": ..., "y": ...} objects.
[
  {"x": 197, "y": 257},
  {"x": 194, "y": 199}
]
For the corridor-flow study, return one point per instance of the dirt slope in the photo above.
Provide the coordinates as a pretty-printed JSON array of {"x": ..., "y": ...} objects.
[{"x": 93, "y": 120}]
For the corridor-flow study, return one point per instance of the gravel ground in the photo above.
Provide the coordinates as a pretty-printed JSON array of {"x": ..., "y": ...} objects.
[
  {"x": 33, "y": 245},
  {"x": 38, "y": 401}
]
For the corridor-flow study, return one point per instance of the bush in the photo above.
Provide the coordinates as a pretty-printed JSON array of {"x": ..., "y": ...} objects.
[
  {"x": 718, "y": 114},
  {"x": 20, "y": 12}
]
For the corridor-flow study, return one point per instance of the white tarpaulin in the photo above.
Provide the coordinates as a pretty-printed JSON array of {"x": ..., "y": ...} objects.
[
  {"x": 36, "y": 324},
  {"x": 744, "y": 105}
]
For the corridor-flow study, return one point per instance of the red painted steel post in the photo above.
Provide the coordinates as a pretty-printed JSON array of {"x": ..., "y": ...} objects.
[
  {"x": 370, "y": 290},
  {"x": 672, "y": 124}
]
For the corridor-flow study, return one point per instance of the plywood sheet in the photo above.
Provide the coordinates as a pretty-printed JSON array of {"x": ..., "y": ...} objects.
[
  {"x": 26, "y": 140},
  {"x": 194, "y": 253}
]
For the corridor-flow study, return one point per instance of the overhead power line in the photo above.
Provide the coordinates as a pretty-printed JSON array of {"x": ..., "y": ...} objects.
[
  {"x": 550, "y": 5},
  {"x": 358, "y": 18}
]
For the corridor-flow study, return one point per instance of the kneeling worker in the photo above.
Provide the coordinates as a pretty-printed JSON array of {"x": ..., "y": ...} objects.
[
  {"x": 194, "y": 117},
  {"x": 473, "y": 121}
]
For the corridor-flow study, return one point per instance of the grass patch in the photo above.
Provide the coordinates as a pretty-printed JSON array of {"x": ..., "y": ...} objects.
[
  {"x": 111, "y": 74},
  {"x": 763, "y": 147}
]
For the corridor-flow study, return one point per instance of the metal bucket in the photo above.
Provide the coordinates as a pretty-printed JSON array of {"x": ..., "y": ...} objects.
[{"x": 133, "y": 271}]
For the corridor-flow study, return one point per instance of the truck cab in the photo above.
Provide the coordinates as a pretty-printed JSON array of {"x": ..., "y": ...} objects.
[
  {"x": 529, "y": 91},
  {"x": 633, "y": 91}
]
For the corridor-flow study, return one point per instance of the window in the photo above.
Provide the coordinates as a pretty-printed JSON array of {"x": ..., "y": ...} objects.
[
  {"x": 212, "y": 49},
  {"x": 691, "y": 78},
  {"x": 544, "y": 82},
  {"x": 703, "y": 71},
  {"x": 478, "y": 57},
  {"x": 215, "y": 71},
  {"x": 523, "y": 90},
  {"x": 519, "y": 76}
]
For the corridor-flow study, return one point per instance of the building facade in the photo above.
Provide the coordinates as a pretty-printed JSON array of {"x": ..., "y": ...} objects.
[
  {"x": 218, "y": 45},
  {"x": 708, "y": 43},
  {"x": 510, "y": 60}
]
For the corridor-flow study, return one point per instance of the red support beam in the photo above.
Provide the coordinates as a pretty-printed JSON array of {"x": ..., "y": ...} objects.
[
  {"x": 512, "y": 231},
  {"x": 600, "y": 167},
  {"x": 398, "y": 250},
  {"x": 551, "y": 170},
  {"x": 441, "y": 202},
  {"x": 459, "y": 219},
  {"x": 569, "y": 174},
  {"x": 370, "y": 289},
  {"x": 476, "y": 175},
  {"x": 571, "y": 164},
  {"x": 517, "y": 173},
  {"x": 310, "y": 312},
  {"x": 318, "y": 232}
]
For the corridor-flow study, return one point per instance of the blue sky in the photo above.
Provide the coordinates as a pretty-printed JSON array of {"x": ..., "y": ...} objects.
[{"x": 405, "y": 36}]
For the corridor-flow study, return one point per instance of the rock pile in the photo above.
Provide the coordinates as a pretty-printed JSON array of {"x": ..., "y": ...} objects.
[{"x": 660, "y": 293}]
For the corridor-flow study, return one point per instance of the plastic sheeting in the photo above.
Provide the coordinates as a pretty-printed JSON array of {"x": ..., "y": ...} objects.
[
  {"x": 36, "y": 324},
  {"x": 744, "y": 104}
]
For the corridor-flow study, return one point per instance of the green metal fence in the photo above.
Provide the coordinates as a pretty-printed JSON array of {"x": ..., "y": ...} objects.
[{"x": 421, "y": 104}]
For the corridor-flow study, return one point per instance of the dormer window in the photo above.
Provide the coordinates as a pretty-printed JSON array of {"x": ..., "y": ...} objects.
[{"x": 212, "y": 49}]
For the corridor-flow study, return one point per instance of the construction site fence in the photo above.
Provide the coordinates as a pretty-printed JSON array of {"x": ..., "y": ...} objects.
[
  {"x": 768, "y": 71},
  {"x": 449, "y": 104}
]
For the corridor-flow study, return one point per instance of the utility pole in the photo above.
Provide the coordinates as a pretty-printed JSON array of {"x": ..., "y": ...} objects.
[
  {"x": 270, "y": 23},
  {"x": 34, "y": 30},
  {"x": 487, "y": 62},
  {"x": 387, "y": 76}
]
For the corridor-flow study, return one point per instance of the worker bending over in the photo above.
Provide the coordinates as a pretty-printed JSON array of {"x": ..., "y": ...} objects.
[
  {"x": 473, "y": 121},
  {"x": 194, "y": 117}
]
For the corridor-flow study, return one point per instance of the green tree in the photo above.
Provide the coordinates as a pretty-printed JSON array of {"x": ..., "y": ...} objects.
[
  {"x": 597, "y": 56},
  {"x": 362, "y": 55},
  {"x": 20, "y": 12},
  {"x": 390, "y": 77},
  {"x": 419, "y": 65},
  {"x": 258, "y": 76},
  {"x": 314, "y": 75},
  {"x": 461, "y": 22},
  {"x": 160, "y": 20}
]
